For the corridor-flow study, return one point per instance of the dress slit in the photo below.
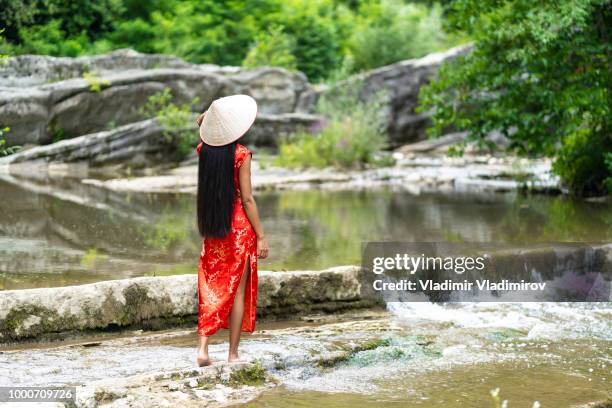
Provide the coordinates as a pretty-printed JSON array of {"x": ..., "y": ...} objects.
[{"x": 232, "y": 298}]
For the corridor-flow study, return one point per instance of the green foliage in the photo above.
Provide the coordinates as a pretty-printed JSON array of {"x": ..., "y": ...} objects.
[
  {"x": 6, "y": 150},
  {"x": 74, "y": 22},
  {"x": 201, "y": 31},
  {"x": 608, "y": 161},
  {"x": 3, "y": 44},
  {"x": 581, "y": 161},
  {"x": 50, "y": 39},
  {"x": 539, "y": 73},
  {"x": 272, "y": 48},
  {"x": 391, "y": 30},
  {"x": 95, "y": 84},
  {"x": 352, "y": 137},
  {"x": 91, "y": 258},
  {"x": 173, "y": 118},
  {"x": 58, "y": 134},
  {"x": 317, "y": 47},
  {"x": 317, "y": 37}
]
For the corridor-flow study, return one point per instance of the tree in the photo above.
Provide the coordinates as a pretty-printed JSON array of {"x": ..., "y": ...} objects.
[
  {"x": 271, "y": 48},
  {"x": 541, "y": 73}
]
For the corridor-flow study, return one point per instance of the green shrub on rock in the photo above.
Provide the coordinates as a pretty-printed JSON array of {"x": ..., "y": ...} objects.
[
  {"x": 175, "y": 119},
  {"x": 6, "y": 150},
  {"x": 352, "y": 135}
]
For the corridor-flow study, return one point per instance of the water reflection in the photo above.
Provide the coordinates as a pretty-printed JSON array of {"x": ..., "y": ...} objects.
[{"x": 68, "y": 233}]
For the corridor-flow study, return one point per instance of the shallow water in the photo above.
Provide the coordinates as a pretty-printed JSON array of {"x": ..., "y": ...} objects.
[
  {"x": 453, "y": 355},
  {"x": 428, "y": 356},
  {"x": 69, "y": 233}
]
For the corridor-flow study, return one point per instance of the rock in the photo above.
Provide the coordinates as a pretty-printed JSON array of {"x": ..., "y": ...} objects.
[
  {"x": 144, "y": 142},
  {"x": 41, "y": 112},
  {"x": 31, "y": 70},
  {"x": 412, "y": 173},
  {"x": 133, "y": 142},
  {"x": 44, "y": 99},
  {"x": 149, "y": 301},
  {"x": 430, "y": 145},
  {"x": 153, "y": 389},
  {"x": 402, "y": 82},
  {"x": 269, "y": 128}
]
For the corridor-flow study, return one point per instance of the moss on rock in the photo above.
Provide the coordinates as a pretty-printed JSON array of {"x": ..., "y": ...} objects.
[{"x": 254, "y": 374}]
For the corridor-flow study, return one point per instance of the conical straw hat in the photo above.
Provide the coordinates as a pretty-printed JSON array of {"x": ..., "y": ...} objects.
[{"x": 227, "y": 119}]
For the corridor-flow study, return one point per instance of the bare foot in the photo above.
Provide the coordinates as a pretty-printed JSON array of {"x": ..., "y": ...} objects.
[
  {"x": 233, "y": 358},
  {"x": 203, "y": 359}
]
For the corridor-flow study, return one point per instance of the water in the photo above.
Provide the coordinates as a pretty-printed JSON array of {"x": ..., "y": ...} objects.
[
  {"x": 454, "y": 355},
  {"x": 69, "y": 233},
  {"x": 428, "y": 356},
  {"x": 432, "y": 355}
]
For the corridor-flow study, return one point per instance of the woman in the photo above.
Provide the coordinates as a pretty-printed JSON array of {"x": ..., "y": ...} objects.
[{"x": 228, "y": 221}]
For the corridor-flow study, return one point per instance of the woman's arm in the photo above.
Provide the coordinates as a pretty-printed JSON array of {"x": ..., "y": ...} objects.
[{"x": 250, "y": 207}]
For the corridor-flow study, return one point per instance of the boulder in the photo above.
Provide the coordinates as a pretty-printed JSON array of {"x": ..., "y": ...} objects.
[
  {"x": 401, "y": 82},
  {"x": 46, "y": 99},
  {"x": 126, "y": 143},
  {"x": 31, "y": 70},
  {"x": 74, "y": 106},
  {"x": 143, "y": 142}
]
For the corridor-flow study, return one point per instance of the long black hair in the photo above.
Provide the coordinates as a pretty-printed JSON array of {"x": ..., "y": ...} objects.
[{"x": 216, "y": 190}]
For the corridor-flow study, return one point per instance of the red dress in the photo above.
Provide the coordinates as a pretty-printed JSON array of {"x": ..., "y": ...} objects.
[{"x": 222, "y": 263}]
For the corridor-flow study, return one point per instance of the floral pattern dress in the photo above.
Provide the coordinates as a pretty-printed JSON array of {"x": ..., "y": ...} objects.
[{"x": 222, "y": 263}]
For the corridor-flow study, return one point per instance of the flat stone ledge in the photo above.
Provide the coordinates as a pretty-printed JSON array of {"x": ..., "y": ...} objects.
[{"x": 105, "y": 305}]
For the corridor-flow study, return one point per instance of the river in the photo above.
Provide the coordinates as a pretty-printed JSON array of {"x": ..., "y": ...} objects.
[
  {"x": 66, "y": 233},
  {"x": 427, "y": 355}
]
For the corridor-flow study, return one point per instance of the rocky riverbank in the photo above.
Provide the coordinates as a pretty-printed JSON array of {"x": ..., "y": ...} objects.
[
  {"x": 413, "y": 353},
  {"x": 47, "y": 99},
  {"x": 412, "y": 172}
]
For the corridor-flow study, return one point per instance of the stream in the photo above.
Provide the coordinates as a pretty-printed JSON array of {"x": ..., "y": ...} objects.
[
  {"x": 427, "y": 355},
  {"x": 66, "y": 233}
]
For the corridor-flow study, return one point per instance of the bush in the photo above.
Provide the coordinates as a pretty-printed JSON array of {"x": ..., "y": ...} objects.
[
  {"x": 352, "y": 136},
  {"x": 50, "y": 39},
  {"x": 584, "y": 160},
  {"x": 4, "y": 150},
  {"x": 317, "y": 47},
  {"x": 95, "y": 84},
  {"x": 391, "y": 30},
  {"x": 173, "y": 118},
  {"x": 57, "y": 27},
  {"x": 608, "y": 180},
  {"x": 539, "y": 73},
  {"x": 317, "y": 38},
  {"x": 272, "y": 48}
]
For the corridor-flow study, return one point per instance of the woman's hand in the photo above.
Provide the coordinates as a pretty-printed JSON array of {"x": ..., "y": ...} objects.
[{"x": 262, "y": 247}]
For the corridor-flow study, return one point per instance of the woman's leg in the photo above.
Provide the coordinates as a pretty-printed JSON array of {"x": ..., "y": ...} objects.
[
  {"x": 203, "y": 359},
  {"x": 237, "y": 314}
]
